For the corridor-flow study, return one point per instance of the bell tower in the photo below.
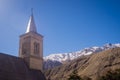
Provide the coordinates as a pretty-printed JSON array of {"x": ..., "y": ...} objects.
[{"x": 31, "y": 46}]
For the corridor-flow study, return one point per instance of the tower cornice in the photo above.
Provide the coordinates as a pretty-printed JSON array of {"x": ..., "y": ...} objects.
[{"x": 32, "y": 33}]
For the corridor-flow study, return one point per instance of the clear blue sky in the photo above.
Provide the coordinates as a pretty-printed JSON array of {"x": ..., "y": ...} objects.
[{"x": 67, "y": 25}]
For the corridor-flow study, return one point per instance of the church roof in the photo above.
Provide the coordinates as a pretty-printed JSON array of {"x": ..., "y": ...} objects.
[
  {"x": 14, "y": 68},
  {"x": 31, "y": 25}
]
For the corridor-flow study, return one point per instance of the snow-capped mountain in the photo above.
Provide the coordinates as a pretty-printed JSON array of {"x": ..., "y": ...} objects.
[{"x": 53, "y": 59}]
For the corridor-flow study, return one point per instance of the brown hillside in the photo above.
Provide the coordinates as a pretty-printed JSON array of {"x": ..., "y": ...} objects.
[{"x": 92, "y": 66}]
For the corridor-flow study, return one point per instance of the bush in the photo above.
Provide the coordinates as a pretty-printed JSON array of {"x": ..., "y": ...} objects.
[
  {"x": 111, "y": 75},
  {"x": 74, "y": 76}
]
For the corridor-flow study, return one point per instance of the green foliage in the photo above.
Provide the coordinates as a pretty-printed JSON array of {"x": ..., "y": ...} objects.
[
  {"x": 111, "y": 75},
  {"x": 74, "y": 76}
]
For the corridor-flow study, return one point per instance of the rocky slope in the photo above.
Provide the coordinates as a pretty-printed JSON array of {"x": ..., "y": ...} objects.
[
  {"x": 58, "y": 59},
  {"x": 93, "y": 65}
]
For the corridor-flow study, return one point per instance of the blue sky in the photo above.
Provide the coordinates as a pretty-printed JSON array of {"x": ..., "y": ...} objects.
[{"x": 67, "y": 25}]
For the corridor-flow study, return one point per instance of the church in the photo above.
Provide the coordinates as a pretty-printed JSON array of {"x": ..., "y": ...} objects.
[{"x": 29, "y": 64}]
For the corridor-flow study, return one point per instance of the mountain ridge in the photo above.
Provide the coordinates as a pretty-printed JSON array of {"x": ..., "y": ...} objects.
[
  {"x": 86, "y": 51},
  {"x": 58, "y": 59},
  {"x": 93, "y": 66}
]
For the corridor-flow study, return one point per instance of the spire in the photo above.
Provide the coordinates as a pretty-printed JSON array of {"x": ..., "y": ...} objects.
[{"x": 31, "y": 24}]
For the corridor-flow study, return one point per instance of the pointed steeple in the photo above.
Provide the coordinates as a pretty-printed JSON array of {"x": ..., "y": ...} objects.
[{"x": 31, "y": 24}]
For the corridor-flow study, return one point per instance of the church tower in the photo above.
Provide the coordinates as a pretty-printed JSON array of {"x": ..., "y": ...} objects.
[{"x": 31, "y": 46}]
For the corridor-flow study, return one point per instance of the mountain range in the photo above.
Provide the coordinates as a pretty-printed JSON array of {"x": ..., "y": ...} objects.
[
  {"x": 93, "y": 66},
  {"x": 58, "y": 59}
]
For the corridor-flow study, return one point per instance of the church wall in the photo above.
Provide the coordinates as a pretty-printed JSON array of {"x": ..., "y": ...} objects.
[{"x": 36, "y": 63}]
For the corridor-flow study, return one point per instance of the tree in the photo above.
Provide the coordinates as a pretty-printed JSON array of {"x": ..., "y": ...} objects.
[
  {"x": 111, "y": 75},
  {"x": 74, "y": 76}
]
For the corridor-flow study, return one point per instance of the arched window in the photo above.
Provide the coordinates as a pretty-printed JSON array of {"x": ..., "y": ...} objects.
[
  {"x": 24, "y": 48},
  {"x": 36, "y": 48}
]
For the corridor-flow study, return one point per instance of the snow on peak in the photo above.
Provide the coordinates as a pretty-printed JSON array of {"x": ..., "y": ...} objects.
[
  {"x": 56, "y": 57},
  {"x": 61, "y": 57}
]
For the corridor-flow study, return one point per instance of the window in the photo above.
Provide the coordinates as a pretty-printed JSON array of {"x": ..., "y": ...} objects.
[
  {"x": 24, "y": 48},
  {"x": 36, "y": 48}
]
